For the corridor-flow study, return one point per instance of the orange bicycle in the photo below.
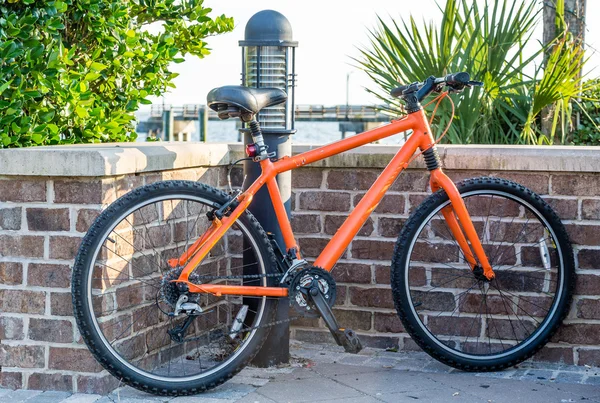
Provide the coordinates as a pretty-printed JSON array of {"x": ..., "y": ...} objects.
[{"x": 176, "y": 283}]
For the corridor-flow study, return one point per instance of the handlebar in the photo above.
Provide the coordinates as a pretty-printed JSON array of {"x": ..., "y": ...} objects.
[{"x": 456, "y": 81}]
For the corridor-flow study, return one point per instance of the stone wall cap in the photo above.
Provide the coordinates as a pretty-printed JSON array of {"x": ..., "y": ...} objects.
[
  {"x": 110, "y": 159},
  {"x": 97, "y": 160}
]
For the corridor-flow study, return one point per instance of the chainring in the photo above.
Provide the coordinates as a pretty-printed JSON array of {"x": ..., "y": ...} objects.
[{"x": 300, "y": 285}]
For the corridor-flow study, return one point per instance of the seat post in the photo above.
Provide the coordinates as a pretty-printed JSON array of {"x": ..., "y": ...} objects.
[{"x": 258, "y": 139}]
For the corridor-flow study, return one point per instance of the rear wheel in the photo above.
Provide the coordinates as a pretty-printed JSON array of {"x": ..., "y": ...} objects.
[
  {"x": 466, "y": 321},
  {"x": 124, "y": 299}
]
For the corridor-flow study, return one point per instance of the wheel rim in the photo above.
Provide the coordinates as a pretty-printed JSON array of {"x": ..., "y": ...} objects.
[
  {"x": 481, "y": 320},
  {"x": 112, "y": 294}
]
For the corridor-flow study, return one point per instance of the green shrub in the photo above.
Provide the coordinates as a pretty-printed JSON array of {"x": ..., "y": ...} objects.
[
  {"x": 588, "y": 129},
  {"x": 75, "y": 71}
]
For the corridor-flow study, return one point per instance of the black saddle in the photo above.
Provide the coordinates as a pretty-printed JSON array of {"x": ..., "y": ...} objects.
[{"x": 233, "y": 100}]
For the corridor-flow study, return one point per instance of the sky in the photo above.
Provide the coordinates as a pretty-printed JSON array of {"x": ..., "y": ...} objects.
[{"x": 328, "y": 32}]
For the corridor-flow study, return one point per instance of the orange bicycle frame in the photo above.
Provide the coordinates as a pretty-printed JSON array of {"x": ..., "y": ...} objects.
[{"x": 455, "y": 214}]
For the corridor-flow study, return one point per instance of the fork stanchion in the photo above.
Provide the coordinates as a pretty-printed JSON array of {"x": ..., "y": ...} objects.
[{"x": 268, "y": 61}]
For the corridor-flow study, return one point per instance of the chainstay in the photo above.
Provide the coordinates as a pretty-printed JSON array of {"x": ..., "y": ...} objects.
[{"x": 246, "y": 329}]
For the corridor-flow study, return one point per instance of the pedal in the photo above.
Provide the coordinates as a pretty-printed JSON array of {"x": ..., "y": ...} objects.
[{"x": 348, "y": 339}]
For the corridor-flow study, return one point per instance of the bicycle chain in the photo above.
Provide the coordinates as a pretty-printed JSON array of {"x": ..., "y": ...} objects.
[{"x": 244, "y": 276}]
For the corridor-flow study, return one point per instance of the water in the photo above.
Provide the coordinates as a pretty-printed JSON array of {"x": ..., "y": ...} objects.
[{"x": 307, "y": 133}]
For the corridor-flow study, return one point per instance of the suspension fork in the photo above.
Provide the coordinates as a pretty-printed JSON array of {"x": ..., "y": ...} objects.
[{"x": 458, "y": 220}]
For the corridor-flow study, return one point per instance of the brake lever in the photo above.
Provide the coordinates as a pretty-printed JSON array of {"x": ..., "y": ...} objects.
[{"x": 475, "y": 83}]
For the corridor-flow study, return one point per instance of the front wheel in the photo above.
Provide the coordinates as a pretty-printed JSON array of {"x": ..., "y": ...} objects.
[
  {"x": 124, "y": 298},
  {"x": 468, "y": 322}
]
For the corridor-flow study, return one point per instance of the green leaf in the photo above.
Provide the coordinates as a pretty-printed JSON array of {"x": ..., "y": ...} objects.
[
  {"x": 97, "y": 66},
  {"x": 92, "y": 76},
  {"x": 5, "y": 86},
  {"x": 130, "y": 33},
  {"x": 81, "y": 112}
]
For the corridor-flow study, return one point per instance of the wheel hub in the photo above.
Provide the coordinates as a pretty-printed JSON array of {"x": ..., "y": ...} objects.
[
  {"x": 170, "y": 291},
  {"x": 478, "y": 274}
]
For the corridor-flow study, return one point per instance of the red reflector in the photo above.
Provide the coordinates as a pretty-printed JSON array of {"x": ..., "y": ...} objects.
[{"x": 251, "y": 150}]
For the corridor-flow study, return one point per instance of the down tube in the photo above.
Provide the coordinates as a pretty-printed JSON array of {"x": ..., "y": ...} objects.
[{"x": 344, "y": 235}]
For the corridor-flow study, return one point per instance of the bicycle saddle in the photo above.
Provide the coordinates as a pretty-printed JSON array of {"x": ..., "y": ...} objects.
[{"x": 250, "y": 100}]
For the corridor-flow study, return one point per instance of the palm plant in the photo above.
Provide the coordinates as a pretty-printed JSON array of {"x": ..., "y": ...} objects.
[{"x": 488, "y": 43}]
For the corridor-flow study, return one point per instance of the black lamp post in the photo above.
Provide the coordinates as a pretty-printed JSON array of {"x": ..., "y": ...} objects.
[{"x": 268, "y": 54}]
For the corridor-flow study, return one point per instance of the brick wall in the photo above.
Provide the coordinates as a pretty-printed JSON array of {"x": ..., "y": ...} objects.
[
  {"x": 42, "y": 221},
  {"x": 49, "y": 198},
  {"x": 323, "y": 197}
]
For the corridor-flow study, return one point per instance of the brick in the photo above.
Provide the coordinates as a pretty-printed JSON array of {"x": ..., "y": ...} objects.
[
  {"x": 371, "y": 297},
  {"x": 314, "y": 336},
  {"x": 307, "y": 178},
  {"x": 382, "y": 275},
  {"x": 85, "y": 219},
  {"x": 536, "y": 182},
  {"x": 589, "y": 258},
  {"x": 22, "y": 301},
  {"x": 454, "y": 326},
  {"x": 52, "y": 330},
  {"x": 584, "y": 234},
  {"x": 11, "y": 328},
  {"x": 11, "y": 273},
  {"x": 22, "y": 356},
  {"x": 61, "y": 304},
  {"x": 334, "y": 222},
  {"x": 373, "y": 250},
  {"x": 589, "y": 357},
  {"x": 390, "y": 204},
  {"x": 555, "y": 354},
  {"x": 125, "y": 184},
  {"x": 21, "y": 245},
  {"x": 41, "y": 381},
  {"x": 381, "y": 342},
  {"x": 78, "y": 192},
  {"x": 576, "y": 185},
  {"x": 388, "y": 323},
  {"x": 565, "y": 208},
  {"x": 10, "y": 219},
  {"x": 312, "y": 247},
  {"x": 49, "y": 275},
  {"x": 341, "y": 292},
  {"x": 356, "y": 320},
  {"x": 11, "y": 380},
  {"x": 72, "y": 359},
  {"x": 588, "y": 308},
  {"x": 352, "y": 273},
  {"x": 590, "y": 209},
  {"x": 99, "y": 385},
  {"x": 324, "y": 201},
  {"x": 390, "y": 227},
  {"x": 43, "y": 219},
  {"x": 64, "y": 247},
  {"x": 306, "y": 223},
  {"x": 587, "y": 284},
  {"x": 411, "y": 181},
  {"x": 577, "y": 333},
  {"x": 23, "y": 190},
  {"x": 414, "y": 201},
  {"x": 350, "y": 179}
]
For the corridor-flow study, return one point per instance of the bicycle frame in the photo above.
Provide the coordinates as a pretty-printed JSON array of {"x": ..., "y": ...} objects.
[{"x": 455, "y": 214}]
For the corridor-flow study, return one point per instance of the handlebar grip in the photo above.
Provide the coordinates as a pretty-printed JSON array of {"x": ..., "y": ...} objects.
[
  {"x": 462, "y": 78},
  {"x": 397, "y": 92}
]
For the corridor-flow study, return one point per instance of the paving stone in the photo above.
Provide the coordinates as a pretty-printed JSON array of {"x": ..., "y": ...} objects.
[
  {"x": 538, "y": 375},
  {"x": 200, "y": 399},
  {"x": 437, "y": 366},
  {"x": 20, "y": 395},
  {"x": 592, "y": 380},
  {"x": 333, "y": 370},
  {"x": 390, "y": 381},
  {"x": 249, "y": 380},
  {"x": 228, "y": 390},
  {"x": 569, "y": 377},
  {"x": 307, "y": 390},
  {"x": 4, "y": 392},
  {"x": 355, "y": 360},
  {"x": 127, "y": 392},
  {"x": 82, "y": 398},
  {"x": 51, "y": 397},
  {"x": 254, "y": 397}
]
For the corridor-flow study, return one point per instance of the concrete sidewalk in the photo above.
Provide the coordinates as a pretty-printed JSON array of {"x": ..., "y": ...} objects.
[{"x": 325, "y": 373}]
